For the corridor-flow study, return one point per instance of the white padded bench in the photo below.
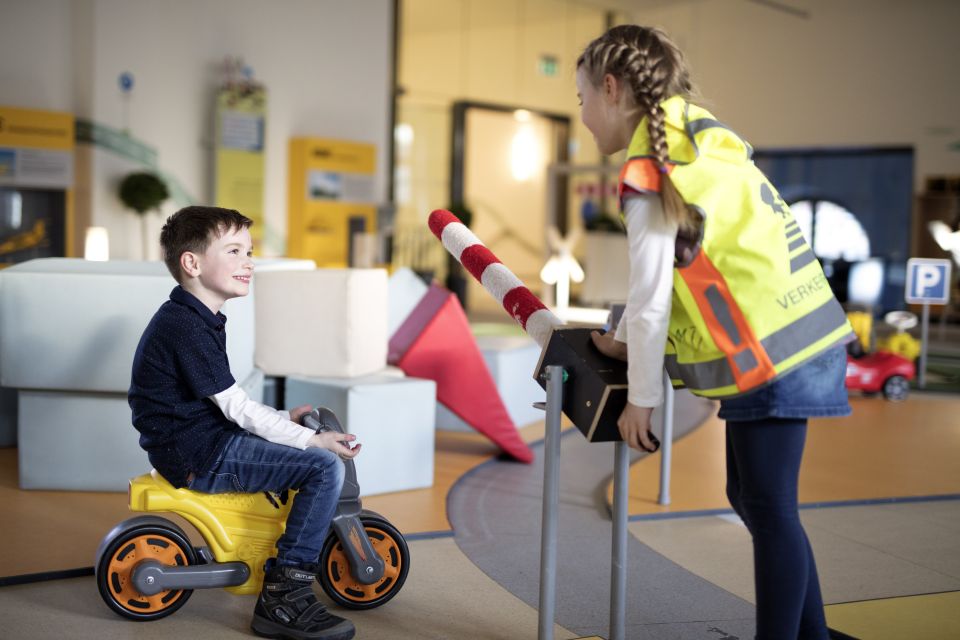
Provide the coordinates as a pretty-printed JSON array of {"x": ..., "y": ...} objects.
[
  {"x": 68, "y": 332},
  {"x": 325, "y": 322},
  {"x": 83, "y": 441},
  {"x": 391, "y": 415}
]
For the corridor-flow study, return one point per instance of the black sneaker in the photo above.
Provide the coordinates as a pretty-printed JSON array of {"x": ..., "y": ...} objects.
[{"x": 288, "y": 608}]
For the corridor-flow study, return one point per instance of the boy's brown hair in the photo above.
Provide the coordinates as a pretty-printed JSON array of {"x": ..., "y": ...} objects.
[{"x": 192, "y": 228}]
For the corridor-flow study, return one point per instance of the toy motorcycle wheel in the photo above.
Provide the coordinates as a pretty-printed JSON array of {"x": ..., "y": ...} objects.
[
  {"x": 896, "y": 388},
  {"x": 123, "y": 550},
  {"x": 347, "y": 591}
]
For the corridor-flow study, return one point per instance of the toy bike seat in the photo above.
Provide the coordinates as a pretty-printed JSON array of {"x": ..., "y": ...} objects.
[{"x": 236, "y": 526}]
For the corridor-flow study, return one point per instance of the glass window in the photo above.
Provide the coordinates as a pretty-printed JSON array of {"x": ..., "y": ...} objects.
[{"x": 832, "y": 230}]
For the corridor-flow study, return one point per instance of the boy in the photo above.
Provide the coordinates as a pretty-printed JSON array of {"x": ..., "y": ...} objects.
[{"x": 201, "y": 430}]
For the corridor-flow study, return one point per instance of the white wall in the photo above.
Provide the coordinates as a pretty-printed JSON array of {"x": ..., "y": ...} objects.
[
  {"x": 326, "y": 65},
  {"x": 857, "y": 72},
  {"x": 35, "y": 54}
]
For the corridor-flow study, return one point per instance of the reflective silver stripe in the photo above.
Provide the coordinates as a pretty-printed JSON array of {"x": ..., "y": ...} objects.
[
  {"x": 745, "y": 361},
  {"x": 780, "y": 345},
  {"x": 794, "y": 337},
  {"x": 722, "y": 311},
  {"x": 702, "y": 124},
  {"x": 796, "y": 244},
  {"x": 793, "y": 233},
  {"x": 802, "y": 260},
  {"x": 700, "y": 375},
  {"x": 694, "y": 127}
]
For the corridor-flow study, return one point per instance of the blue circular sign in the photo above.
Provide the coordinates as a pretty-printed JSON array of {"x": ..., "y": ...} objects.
[{"x": 126, "y": 81}]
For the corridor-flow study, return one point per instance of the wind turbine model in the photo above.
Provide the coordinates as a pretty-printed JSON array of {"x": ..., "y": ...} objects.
[
  {"x": 948, "y": 239},
  {"x": 562, "y": 267}
]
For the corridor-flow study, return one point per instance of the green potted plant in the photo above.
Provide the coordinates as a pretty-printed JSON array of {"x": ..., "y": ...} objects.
[{"x": 143, "y": 192}]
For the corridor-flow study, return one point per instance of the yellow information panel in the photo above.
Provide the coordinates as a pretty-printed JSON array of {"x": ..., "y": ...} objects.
[
  {"x": 34, "y": 129},
  {"x": 36, "y": 154},
  {"x": 330, "y": 198},
  {"x": 241, "y": 111}
]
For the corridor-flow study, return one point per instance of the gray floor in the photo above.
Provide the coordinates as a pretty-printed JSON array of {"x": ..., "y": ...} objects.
[
  {"x": 445, "y": 597},
  {"x": 864, "y": 552},
  {"x": 483, "y": 584},
  {"x": 689, "y": 577},
  {"x": 495, "y": 511}
]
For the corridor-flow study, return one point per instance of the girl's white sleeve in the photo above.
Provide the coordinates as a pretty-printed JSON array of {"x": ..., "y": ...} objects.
[
  {"x": 646, "y": 318},
  {"x": 261, "y": 420}
]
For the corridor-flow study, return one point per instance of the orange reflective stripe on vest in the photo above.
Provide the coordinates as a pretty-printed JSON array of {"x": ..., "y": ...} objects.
[
  {"x": 748, "y": 360},
  {"x": 641, "y": 174}
]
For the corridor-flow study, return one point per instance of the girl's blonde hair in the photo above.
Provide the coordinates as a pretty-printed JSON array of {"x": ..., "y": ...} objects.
[{"x": 651, "y": 65}]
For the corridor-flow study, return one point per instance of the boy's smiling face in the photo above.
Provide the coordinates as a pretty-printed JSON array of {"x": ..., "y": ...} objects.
[{"x": 224, "y": 270}]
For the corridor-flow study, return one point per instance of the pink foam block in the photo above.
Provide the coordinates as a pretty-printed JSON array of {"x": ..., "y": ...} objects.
[{"x": 435, "y": 342}]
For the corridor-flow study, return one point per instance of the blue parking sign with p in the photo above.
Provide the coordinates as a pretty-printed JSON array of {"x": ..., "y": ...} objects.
[{"x": 928, "y": 281}]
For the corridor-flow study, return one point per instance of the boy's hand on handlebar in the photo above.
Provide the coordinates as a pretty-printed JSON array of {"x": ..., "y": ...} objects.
[
  {"x": 336, "y": 442},
  {"x": 608, "y": 345},
  {"x": 297, "y": 413}
]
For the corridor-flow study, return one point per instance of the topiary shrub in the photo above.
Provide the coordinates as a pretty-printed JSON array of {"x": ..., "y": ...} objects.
[{"x": 143, "y": 192}]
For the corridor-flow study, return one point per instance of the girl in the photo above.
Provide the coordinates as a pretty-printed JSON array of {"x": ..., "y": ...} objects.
[{"x": 723, "y": 283}]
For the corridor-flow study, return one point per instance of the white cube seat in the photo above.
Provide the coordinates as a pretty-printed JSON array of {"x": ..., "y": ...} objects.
[
  {"x": 263, "y": 265},
  {"x": 324, "y": 322},
  {"x": 391, "y": 415},
  {"x": 74, "y": 325},
  {"x": 77, "y": 441},
  {"x": 404, "y": 290},
  {"x": 84, "y": 441},
  {"x": 512, "y": 361}
]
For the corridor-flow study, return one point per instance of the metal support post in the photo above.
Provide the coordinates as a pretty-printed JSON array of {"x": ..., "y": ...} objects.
[
  {"x": 666, "y": 440},
  {"x": 924, "y": 335},
  {"x": 618, "y": 565},
  {"x": 551, "y": 503}
]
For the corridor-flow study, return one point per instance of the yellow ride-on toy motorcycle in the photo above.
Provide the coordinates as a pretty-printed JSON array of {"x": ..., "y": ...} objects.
[{"x": 146, "y": 567}]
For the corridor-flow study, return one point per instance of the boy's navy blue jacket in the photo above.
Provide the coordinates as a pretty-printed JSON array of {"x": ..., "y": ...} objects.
[{"x": 180, "y": 361}]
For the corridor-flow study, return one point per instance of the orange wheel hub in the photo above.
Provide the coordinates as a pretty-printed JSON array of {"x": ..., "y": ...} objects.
[
  {"x": 338, "y": 568},
  {"x": 120, "y": 572}
]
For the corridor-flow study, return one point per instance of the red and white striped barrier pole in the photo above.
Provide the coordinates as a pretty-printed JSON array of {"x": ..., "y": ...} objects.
[{"x": 498, "y": 280}]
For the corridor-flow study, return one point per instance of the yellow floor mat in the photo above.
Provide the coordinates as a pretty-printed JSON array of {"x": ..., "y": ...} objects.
[{"x": 927, "y": 617}]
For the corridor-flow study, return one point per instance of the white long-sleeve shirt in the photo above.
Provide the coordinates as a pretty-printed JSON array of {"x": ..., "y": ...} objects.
[
  {"x": 259, "y": 419},
  {"x": 646, "y": 318}
]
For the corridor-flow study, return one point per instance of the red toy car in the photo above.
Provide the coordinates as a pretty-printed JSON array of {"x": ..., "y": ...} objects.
[{"x": 881, "y": 371}]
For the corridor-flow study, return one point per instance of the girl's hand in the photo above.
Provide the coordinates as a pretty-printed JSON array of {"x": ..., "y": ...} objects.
[
  {"x": 634, "y": 425},
  {"x": 608, "y": 345},
  {"x": 336, "y": 442},
  {"x": 297, "y": 413}
]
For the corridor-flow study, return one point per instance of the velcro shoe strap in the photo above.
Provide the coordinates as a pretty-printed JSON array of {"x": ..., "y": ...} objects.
[
  {"x": 303, "y": 593},
  {"x": 316, "y": 611}
]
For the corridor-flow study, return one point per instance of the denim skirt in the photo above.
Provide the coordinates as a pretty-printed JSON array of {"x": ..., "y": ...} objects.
[{"x": 816, "y": 388}]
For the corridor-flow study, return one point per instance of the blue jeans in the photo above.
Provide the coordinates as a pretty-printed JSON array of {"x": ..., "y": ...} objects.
[
  {"x": 766, "y": 432},
  {"x": 763, "y": 464},
  {"x": 250, "y": 464}
]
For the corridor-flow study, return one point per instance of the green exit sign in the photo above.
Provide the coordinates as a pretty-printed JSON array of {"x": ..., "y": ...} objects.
[{"x": 548, "y": 65}]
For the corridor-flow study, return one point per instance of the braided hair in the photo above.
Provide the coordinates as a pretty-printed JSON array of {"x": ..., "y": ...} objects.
[{"x": 654, "y": 69}]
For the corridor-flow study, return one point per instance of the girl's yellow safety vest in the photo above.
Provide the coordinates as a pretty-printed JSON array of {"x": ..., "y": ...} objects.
[{"x": 753, "y": 302}]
